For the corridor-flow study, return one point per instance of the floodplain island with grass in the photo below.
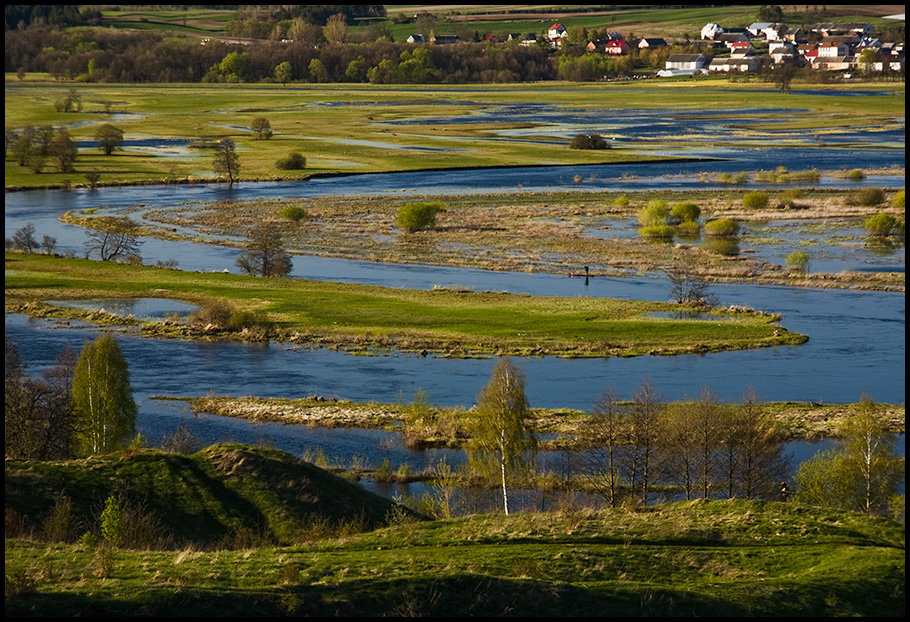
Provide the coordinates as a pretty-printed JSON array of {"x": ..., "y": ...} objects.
[{"x": 245, "y": 530}]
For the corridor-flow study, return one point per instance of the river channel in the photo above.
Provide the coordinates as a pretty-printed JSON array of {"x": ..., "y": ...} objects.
[{"x": 856, "y": 339}]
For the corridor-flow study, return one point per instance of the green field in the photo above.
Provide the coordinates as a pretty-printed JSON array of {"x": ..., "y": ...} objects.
[
  {"x": 365, "y": 317},
  {"x": 339, "y": 128},
  {"x": 283, "y": 545}
]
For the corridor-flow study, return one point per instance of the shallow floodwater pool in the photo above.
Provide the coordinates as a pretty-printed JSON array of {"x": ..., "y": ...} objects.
[{"x": 138, "y": 308}]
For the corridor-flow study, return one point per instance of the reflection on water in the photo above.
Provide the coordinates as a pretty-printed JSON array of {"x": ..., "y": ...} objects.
[{"x": 140, "y": 308}]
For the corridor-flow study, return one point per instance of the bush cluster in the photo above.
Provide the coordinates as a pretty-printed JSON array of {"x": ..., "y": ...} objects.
[
  {"x": 417, "y": 216},
  {"x": 294, "y": 162},
  {"x": 589, "y": 141}
]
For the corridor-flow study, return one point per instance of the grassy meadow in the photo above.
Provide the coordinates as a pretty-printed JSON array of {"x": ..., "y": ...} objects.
[
  {"x": 360, "y": 317},
  {"x": 287, "y": 543},
  {"x": 339, "y": 128}
]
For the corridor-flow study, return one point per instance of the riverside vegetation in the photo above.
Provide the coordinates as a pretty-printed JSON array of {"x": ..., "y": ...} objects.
[
  {"x": 241, "y": 530},
  {"x": 254, "y": 531}
]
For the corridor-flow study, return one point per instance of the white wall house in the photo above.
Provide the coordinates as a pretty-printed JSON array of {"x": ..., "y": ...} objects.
[
  {"x": 710, "y": 31},
  {"x": 688, "y": 62}
]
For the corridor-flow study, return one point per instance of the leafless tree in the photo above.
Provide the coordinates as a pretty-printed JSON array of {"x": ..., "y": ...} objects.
[{"x": 114, "y": 239}]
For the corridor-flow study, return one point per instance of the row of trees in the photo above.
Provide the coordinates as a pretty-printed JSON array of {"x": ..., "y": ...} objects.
[
  {"x": 699, "y": 447},
  {"x": 82, "y": 405},
  {"x": 33, "y": 146}
]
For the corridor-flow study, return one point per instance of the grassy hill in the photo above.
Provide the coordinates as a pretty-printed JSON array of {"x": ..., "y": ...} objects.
[
  {"x": 705, "y": 558},
  {"x": 224, "y": 494}
]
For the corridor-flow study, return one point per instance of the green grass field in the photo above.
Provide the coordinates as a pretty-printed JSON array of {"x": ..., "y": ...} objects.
[
  {"x": 701, "y": 558},
  {"x": 339, "y": 128},
  {"x": 365, "y": 317}
]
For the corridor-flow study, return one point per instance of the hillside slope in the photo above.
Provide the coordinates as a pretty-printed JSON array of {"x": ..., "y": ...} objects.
[{"x": 226, "y": 492}]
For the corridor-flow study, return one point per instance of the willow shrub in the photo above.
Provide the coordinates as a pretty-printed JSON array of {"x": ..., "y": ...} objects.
[
  {"x": 722, "y": 227},
  {"x": 868, "y": 197},
  {"x": 756, "y": 199},
  {"x": 798, "y": 261},
  {"x": 881, "y": 225},
  {"x": 417, "y": 216}
]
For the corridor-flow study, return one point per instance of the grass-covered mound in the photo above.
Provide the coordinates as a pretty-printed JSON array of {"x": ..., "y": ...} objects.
[
  {"x": 716, "y": 558},
  {"x": 226, "y": 495}
]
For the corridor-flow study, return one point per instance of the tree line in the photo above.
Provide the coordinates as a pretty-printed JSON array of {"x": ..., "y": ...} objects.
[{"x": 645, "y": 448}]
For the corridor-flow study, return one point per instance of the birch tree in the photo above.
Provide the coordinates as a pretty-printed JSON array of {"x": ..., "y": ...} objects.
[
  {"x": 104, "y": 408},
  {"x": 500, "y": 437}
]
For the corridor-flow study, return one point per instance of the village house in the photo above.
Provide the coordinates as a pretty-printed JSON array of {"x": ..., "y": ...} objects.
[
  {"x": 556, "y": 32},
  {"x": 835, "y": 63},
  {"x": 711, "y": 31},
  {"x": 651, "y": 42},
  {"x": 833, "y": 49},
  {"x": 416, "y": 39},
  {"x": 744, "y": 64},
  {"x": 687, "y": 62},
  {"x": 755, "y": 29},
  {"x": 445, "y": 39},
  {"x": 616, "y": 47},
  {"x": 741, "y": 48},
  {"x": 780, "y": 51}
]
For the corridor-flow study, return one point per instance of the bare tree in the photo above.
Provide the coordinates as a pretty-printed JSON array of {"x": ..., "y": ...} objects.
[
  {"x": 24, "y": 238},
  {"x": 687, "y": 286},
  {"x": 38, "y": 411},
  {"x": 226, "y": 161},
  {"x": 643, "y": 463},
  {"x": 607, "y": 436},
  {"x": 63, "y": 149},
  {"x": 265, "y": 253},
  {"x": 114, "y": 239},
  {"x": 261, "y": 128},
  {"x": 752, "y": 458}
]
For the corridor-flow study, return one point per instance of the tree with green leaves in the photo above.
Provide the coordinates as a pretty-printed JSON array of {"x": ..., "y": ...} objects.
[
  {"x": 284, "y": 72},
  {"x": 501, "y": 438},
  {"x": 414, "y": 217},
  {"x": 109, "y": 138},
  {"x": 864, "y": 473},
  {"x": 262, "y": 128},
  {"x": 226, "y": 162},
  {"x": 63, "y": 149},
  {"x": 104, "y": 408}
]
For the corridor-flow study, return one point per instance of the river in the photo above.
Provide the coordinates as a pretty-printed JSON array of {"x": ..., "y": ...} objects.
[{"x": 856, "y": 343}]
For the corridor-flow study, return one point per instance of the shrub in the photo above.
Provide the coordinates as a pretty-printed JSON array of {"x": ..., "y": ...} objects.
[
  {"x": 898, "y": 201},
  {"x": 856, "y": 174},
  {"x": 293, "y": 162},
  {"x": 654, "y": 214},
  {"x": 417, "y": 216},
  {"x": 798, "y": 261},
  {"x": 756, "y": 199},
  {"x": 726, "y": 227},
  {"x": 788, "y": 198},
  {"x": 688, "y": 229},
  {"x": 216, "y": 313},
  {"x": 868, "y": 197},
  {"x": 685, "y": 212},
  {"x": 725, "y": 246},
  {"x": 621, "y": 201},
  {"x": 112, "y": 522},
  {"x": 661, "y": 232},
  {"x": 293, "y": 212},
  {"x": 881, "y": 225},
  {"x": 589, "y": 141}
]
